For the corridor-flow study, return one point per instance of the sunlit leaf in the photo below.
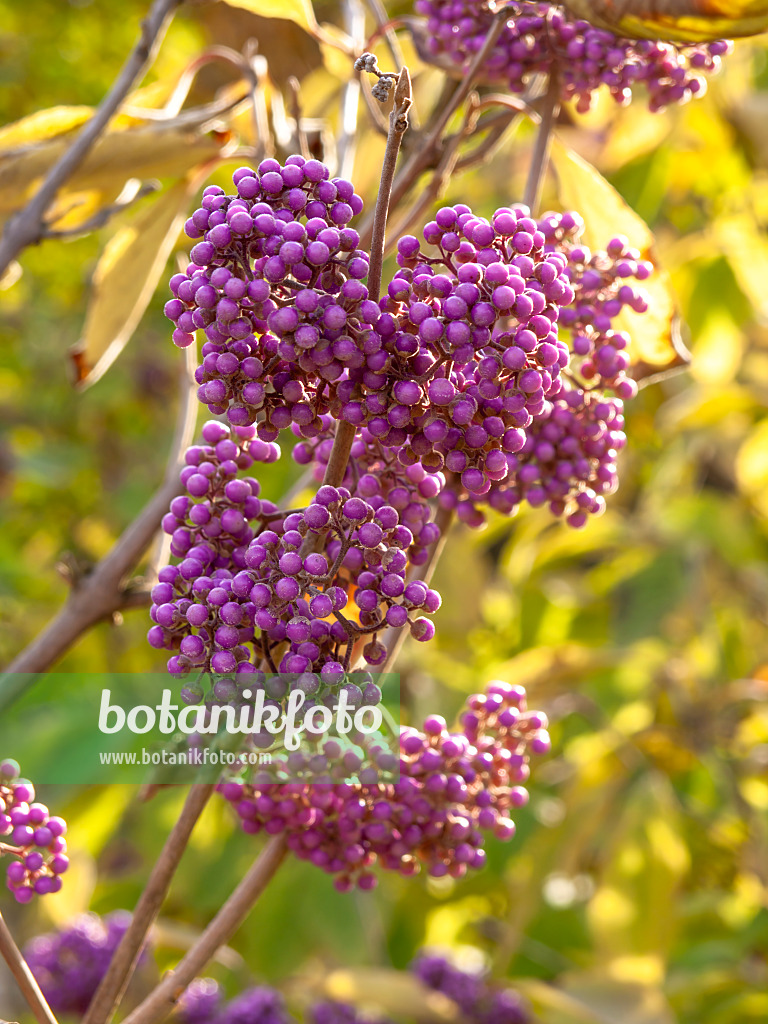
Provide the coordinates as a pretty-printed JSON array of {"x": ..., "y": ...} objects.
[
  {"x": 752, "y": 466},
  {"x": 691, "y": 20},
  {"x": 43, "y": 124},
  {"x": 336, "y": 49},
  {"x": 656, "y": 341},
  {"x": 556, "y": 1006},
  {"x": 611, "y": 1001},
  {"x": 125, "y": 279},
  {"x": 154, "y": 151},
  {"x": 746, "y": 250},
  {"x": 299, "y": 11},
  {"x": 391, "y": 993}
]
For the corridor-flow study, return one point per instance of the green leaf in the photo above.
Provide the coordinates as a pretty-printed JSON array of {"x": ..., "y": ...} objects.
[
  {"x": 683, "y": 20},
  {"x": 298, "y": 11},
  {"x": 656, "y": 342}
]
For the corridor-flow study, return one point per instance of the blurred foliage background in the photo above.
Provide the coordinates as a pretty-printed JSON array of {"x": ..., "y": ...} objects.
[{"x": 636, "y": 890}]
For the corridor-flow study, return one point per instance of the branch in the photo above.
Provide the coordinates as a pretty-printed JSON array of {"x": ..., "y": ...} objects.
[
  {"x": 24, "y": 977},
  {"x": 384, "y": 27},
  {"x": 346, "y": 145},
  {"x": 420, "y": 159},
  {"x": 101, "y": 592},
  {"x": 540, "y": 155},
  {"x": 112, "y": 987},
  {"x": 27, "y": 226},
  {"x": 162, "y": 1000},
  {"x": 398, "y": 125}
]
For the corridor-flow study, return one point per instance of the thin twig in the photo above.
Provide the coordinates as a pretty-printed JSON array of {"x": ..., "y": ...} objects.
[
  {"x": 112, "y": 987},
  {"x": 24, "y": 977},
  {"x": 102, "y": 592},
  {"x": 376, "y": 7},
  {"x": 423, "y": 154},
  {"x": 26, "y": 227},
  {"x": 540, "y": 155},
  {"x": 162, "y": 1000},
  {"x": 354, "y": 24},
  {"x": 441, "y": 176},
  {"x": 398, "y": 125},
  {"x": 294, "y": 87}
]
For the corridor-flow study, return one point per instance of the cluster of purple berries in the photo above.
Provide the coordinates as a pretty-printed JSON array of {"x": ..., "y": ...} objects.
[
  {"x": 523, "y": 451},
  {"x": 480, "y": 1002},
  {"x": 69, "y": 964},
  {"x": 541, "y": 38},
  {"x": 602, "y": 291},
  {"x": 477, "y": 343},
  {"x": 383, "y": 476},
  {"x": 453, "y": 788},
  {"x": 212, "y": 605},
  {"x": 204, "y": 1003},
  {"x": 368, "y": 758},
  {"x": 211, "y": 527},
  {"x": 276, "y": 286},
  {"x": 31, "y": 834}
]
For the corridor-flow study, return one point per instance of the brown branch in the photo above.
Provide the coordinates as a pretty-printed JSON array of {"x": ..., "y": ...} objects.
[
  {"x": 540, "y": 155},
  {"x": 427, "y": 145},
  {"x": 161, "y": 1001},
  {"x": 294, "y": 88},
  {"x": 24, "y": 977},
  {"x": 26, "y": 227},
  {"x": 398, "y": 125},
  {"x": 384, "y": 27},
  {"x": 113, "y": 984}
]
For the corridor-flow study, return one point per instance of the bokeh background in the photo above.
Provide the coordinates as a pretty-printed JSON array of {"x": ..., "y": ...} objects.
[{"x": 636, "y": 891}]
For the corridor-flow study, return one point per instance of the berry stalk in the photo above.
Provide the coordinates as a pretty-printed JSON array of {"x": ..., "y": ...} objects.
[
  {"x": 110, "y": 991},
  {"x": 161, "y": 1001},
  {"x": 420, "y": 159},
  {"x": 541, "y": 149},
  {"x": 398, "y": 125},
  {"x": 24, "y": 977}
]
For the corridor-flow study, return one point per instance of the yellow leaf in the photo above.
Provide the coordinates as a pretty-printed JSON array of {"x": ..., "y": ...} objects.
[
  {"x": 612, "y": 1001},
  {"x": 656, "y": 341},
  {"x": 126, "y": 276},
  {"x": 718, "y": 351},
  {"x": 43, "y": 124},
  {"x": 684, "y": 20},
  {"x": 154, "y": 151},
  {"x": 11, "y": 276},
  {"x": 336, "y": 48},
  {"x": 752, "y": 466},
  {"x": 298, "y": 11},
  {"x": 556, "y": 1005},
  {"x": 747, "y": 252}
]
